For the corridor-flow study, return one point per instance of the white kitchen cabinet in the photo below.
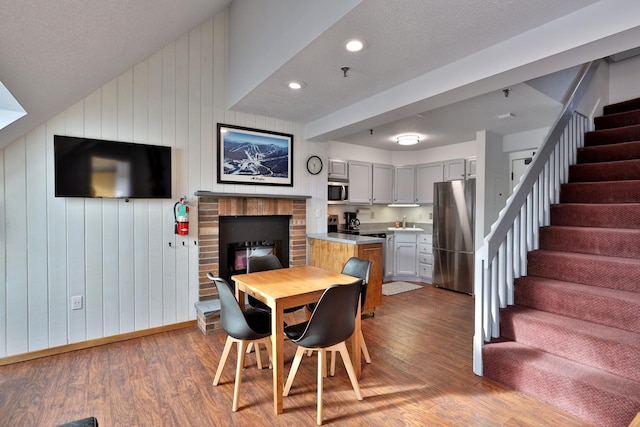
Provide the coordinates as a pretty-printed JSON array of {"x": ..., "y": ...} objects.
[
  {"x": 404, "y": 184},
  {"x": 360, "y": 190},
  {"x": 382, "y": 184},
  {"x": 425, "y": 258},
  {"x": 406, "y": 254},
  {"x": 338, "y": 170},
  {"x": 470, "y": 167},
  {"x": 426, "y": 176},
  {"x": 389, "y": 259},
  {"x": 454, "y": 169}
]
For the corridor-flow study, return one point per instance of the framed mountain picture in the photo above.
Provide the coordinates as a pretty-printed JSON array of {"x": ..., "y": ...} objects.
[{"x": 253, "y": 156}]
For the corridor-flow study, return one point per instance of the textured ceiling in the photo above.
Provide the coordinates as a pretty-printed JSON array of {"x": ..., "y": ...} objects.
[{"x": 55, "y": 52}]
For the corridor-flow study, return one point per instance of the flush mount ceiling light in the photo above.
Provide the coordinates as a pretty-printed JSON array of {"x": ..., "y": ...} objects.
[
  {"x": 408, "y": 139},
  {"x": 355, "y": 45},
  {"x": 296, "y": 85}
]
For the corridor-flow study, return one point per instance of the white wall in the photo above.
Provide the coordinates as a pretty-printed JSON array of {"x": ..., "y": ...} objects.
[
  {"x": 624, "y": 80},
  {"x": 122, "y": 257}
]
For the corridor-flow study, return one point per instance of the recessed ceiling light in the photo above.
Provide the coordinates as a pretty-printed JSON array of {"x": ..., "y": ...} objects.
[
  {"x": 296, "y": 85},
  {"x": 355, "y": 45}
]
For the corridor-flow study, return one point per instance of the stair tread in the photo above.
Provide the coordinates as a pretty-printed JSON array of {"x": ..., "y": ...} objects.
[
  {"x": 622, "y": 106},
  {"x": 629, "y": 261},
  {"x": 609, "y": 152},
  {"x": 567, "y": 368},
  {"x": 592, "y": 394},
  {"x": 605, "y": 306},
  {"x": 582, "y": 327},
  {"x": 603, "y": 192},
  {"x": 612, "y": 135},
  {"x": 616, "y": 120},
  {"x": 602, "y": 215},
  {"x": 614, "y": 241},
  {"x": 607, "y": 230},
  {"x": 587, "y": 289},
  {"x": 618, "y": 170},
  {"x": 603, "y": 183}
]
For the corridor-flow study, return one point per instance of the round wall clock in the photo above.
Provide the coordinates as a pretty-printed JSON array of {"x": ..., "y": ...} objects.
[{"x": 314, "y": 165}]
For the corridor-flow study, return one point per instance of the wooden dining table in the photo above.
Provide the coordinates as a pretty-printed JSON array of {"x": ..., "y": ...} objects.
[{"x": 285, "y": 288}]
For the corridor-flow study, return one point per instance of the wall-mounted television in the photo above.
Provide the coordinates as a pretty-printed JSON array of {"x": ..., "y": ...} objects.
[{"x": 87, "y": 167}]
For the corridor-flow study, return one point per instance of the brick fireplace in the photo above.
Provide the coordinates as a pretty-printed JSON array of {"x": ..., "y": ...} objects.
[{"x": 211, "y": 208}]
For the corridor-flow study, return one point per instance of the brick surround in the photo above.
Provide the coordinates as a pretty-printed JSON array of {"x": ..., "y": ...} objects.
[{"x": 210, "y": 209}]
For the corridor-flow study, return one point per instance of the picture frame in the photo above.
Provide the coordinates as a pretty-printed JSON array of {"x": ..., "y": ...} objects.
[{"x": 254, "y": 156}]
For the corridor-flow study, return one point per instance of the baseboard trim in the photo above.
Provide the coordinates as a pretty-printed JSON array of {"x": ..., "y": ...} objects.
[{"x": 93, "y": 343}]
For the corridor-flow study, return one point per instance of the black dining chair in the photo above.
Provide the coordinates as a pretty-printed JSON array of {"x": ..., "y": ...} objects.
[
  {"x": 360, "y": 268},
  {"x": 265, "y": 263},
  {"x": 331, "y": 323},
  {"x": 252, "y": 326}
]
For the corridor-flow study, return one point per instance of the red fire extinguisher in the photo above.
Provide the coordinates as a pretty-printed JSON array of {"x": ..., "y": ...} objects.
[{"x": 181, "y": 215}]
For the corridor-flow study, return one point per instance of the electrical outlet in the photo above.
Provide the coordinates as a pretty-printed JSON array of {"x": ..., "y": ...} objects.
[
  {"x": 76, "y": 302},
  {"x": 373, "y": 215},
  {"x": 430, "y": 215}
]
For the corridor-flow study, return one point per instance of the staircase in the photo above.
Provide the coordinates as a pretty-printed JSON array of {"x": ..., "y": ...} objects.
[{"x": 572, "y": 339}]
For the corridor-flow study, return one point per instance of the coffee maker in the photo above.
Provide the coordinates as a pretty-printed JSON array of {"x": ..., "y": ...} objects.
[
  {"x": 351, "y": 222},
  {"x": 332, "y": 224}
]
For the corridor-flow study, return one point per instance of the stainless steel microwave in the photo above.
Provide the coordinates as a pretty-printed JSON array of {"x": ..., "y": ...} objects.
[{"x": 338, "y": 192}]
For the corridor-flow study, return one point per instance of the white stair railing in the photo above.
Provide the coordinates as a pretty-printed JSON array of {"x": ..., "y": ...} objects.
[{"x": 503, "y": 256}]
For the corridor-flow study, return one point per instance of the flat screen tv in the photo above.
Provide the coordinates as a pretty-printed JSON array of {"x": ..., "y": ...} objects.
[{"x": 87, "y": 167}]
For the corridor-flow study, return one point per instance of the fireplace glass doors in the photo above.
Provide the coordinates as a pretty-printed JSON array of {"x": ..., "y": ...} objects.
[{"x": 244, "y": 236}]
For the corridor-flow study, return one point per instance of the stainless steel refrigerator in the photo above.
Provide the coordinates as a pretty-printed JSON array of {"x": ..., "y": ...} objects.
[{"x": 453, "y": 233}]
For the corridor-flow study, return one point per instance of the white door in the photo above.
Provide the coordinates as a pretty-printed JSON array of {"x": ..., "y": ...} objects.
[{"x": 518, "y": 168}]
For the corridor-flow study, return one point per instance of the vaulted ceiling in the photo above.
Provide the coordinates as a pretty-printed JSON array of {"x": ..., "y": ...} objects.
[{"x": 425, "y": 62}]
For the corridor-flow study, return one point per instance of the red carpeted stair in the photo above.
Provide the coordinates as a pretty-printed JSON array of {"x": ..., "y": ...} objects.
[{"x": 572, "y": 339}]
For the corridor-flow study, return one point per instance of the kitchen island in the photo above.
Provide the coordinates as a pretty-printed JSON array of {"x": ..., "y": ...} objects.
[{"x": 332, "y": 250}]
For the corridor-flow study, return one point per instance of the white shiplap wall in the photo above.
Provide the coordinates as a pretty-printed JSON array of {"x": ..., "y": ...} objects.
[{"x": 117, "y": 254}]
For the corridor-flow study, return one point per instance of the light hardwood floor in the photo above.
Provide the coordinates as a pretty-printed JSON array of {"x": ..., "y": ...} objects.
[{"x": 420, "y": 343}]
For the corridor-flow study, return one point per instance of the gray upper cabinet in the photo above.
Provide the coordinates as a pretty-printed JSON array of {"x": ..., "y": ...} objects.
[
  {"x": 382, "y": 184},
  {"x": 404, "y": 189},
  {"x": 426, "y": 176},
  {"x": 470, "y": 167},
  {"x": 338, "y": 170},
  {"x": 454, "y": 169},
  {"x": 360, "y": 189}
]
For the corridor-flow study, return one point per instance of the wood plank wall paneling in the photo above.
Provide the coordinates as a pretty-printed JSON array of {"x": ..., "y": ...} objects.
[{"x": 114, "y": 253}]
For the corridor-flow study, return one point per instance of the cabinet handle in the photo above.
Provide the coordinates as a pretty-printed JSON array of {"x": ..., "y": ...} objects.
[{"x": 373, "y": 249}]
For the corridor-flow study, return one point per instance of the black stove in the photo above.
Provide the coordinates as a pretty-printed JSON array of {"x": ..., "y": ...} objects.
[
  {"x": 381, "y": 235},
  {"x": 348, "y": 231}
]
